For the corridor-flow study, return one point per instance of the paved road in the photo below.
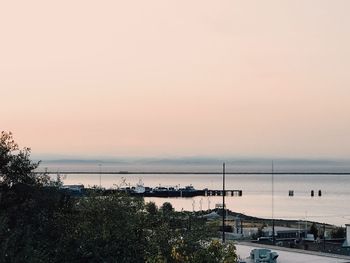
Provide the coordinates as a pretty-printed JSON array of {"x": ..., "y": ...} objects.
[{"x": 290, "y": 256}]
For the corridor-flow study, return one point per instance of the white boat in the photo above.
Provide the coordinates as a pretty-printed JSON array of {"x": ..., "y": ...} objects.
[{"x": 139, "y": 188}]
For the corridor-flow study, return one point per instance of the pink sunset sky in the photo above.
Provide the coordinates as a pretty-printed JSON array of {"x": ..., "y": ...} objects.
[{"x": 178, "y": 78}]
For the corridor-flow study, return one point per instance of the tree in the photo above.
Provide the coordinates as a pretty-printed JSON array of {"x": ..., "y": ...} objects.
[
  {"x": 339, "y": 232},
  {"x": 259, "y": 233},
  {"x": 41, "y": 223},
  {"x": 106, "y": 229},
  {"x": 314, "y": 230},
  {"x": 28, "y": 206},
  {"x": 167, "y": 207},
  {"x": 16, "y": 166},
  {"x": 151, "y": 208},
  {"x": 209, "y": 252}
]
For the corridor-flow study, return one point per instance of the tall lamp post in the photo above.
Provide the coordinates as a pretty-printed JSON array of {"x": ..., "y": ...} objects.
[
  {"x": 273, "y": 204},
  {"x": 223, "y": 203}
]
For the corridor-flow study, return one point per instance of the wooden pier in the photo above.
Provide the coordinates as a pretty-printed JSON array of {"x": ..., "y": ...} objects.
[
  {"x": 81, "y": 191},
  {"x": 220, "y": 192}
]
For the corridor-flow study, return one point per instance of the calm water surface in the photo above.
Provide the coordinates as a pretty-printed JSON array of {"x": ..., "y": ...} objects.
[{"x": 332, "y": 207}]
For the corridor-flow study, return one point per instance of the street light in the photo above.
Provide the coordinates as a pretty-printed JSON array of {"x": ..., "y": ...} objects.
[
  {"x": 223, "y": 203},
  {"x": 273, "y": 204}
]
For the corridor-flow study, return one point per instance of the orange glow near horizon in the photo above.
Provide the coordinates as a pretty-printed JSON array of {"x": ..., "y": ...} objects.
[{"x": 153, "y": 78}]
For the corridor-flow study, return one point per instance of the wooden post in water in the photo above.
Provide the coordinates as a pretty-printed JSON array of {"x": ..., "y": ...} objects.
[
  {"x": 223, "y": 203},
  {"x": 100, "y": 170}
]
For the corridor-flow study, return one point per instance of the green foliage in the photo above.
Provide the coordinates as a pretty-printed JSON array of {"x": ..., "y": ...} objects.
[
  {"x": 151, "y": 208},
  {"x": 41, "y": 223},
  {"x": 209, "y": 252},
  {"x": 258, "y": 234},
  {"x": 107, "y": 229},
  {"x": 339, "y": 232},
  {"x": 314, "y": 230},
  {"x": 29, "y": 226},
  {"x": 16, "y": 166},
  {"x": 167, "y": 207}
]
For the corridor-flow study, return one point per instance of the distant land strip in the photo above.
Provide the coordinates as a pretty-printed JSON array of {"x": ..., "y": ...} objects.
[{"x": 214, "y": 173}]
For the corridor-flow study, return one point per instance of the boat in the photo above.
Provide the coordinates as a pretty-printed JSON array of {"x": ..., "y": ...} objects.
[
  {"x": 260, "y": 255},
  {"x": 190, "y": 191},
  {"x": 140, "y": 188},
  {"x": 161, "y": 191}
]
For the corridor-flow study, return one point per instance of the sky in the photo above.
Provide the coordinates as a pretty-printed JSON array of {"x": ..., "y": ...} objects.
[{"x": 177, "y": 78}]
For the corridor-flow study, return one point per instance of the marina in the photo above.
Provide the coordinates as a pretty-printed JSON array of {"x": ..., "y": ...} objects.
[
  {"x": 159, "y": 191},
  {"x": 331, "y": 207}
]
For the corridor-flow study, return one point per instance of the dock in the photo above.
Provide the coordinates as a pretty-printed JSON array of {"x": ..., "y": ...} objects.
[{"x": 80, "y": 190}]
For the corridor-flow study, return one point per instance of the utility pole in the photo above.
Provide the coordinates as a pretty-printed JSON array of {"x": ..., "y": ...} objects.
[
  {"x": 305, "y": 224},
  {"x": 273, "y": 204},
  {"x": 324, "y": 236},
  {"x": 223, "y": 203}
]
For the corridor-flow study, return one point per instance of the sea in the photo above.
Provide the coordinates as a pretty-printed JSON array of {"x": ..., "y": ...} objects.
[{"x": 263, "y": 195}]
